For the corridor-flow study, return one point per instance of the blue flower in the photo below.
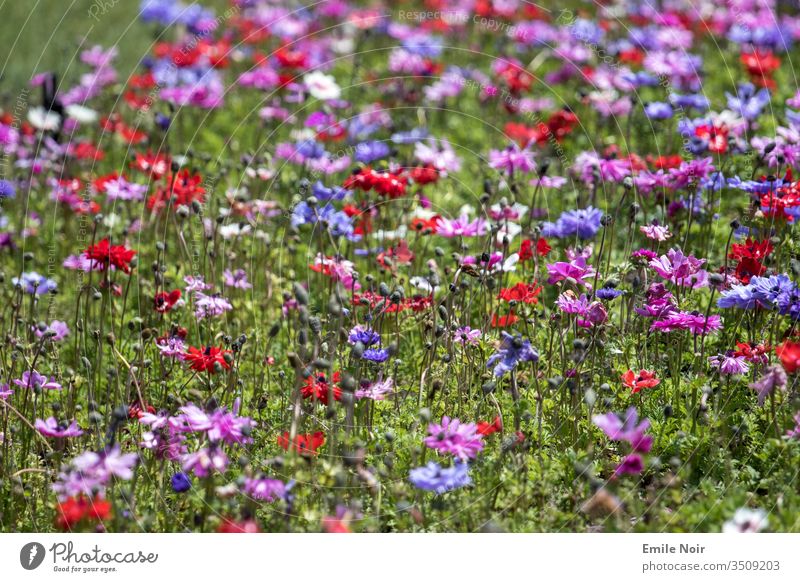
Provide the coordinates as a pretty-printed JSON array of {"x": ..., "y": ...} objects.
[
  {"x": 609, "y": 293},
  {"x": 511, "y": 351},
  {"x": 322, "y": 192},
  {"x": 582, "y": 222},
  {"x": 658, "y": 110},
  {"x": 34, "y": 283},
  {"x": 377, "y": 355},
  {"x": 181, "y": 482},
  {"x": 748, "y": 103},
  {"x": 369, "y": 151},
  {"x": 7, "y": 189},
  {"x": 432, "y": 477}
]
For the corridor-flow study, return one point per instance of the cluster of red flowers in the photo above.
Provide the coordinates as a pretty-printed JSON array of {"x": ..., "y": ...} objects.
[
  {"x": 749, "y": 257},
  {"x": 105, "y": 254},
  {"x": 183, "y": 188},
  {"x": 318, "y": 388},
  {"x": 81, "y": 510},
  {"x": 761, "y": 66},
  {"x": 521, "y": 293},
  {"x": 305, "y": 444},
  {"x": 204, "y": 358},
  {"x": 154, "y": 165},
  {"x": 386, "y": 183},
  {"x": 114, "y": 124},
  {"x": 417, "y": 303},
  {"x": 559, "y": 125}
]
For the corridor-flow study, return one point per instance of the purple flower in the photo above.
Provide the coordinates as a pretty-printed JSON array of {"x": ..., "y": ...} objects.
[
  {"x": 583, "y": 223},
  {"x": 682, "y": 320},
  {"x": 512, "y": 350},
  {"x": 34, "y": 284},
  {"x": 432, "y": 477},
  {"x": 577, "y": 270},
  {"x": 466, "y": 335},
  {"x": 34, "y": 379},
  {"x": 53, "y": 429},
  {"x": 5, "y": 391},
  {"x": 451, "y": 228},
  {"x": 363, "y": 334},
  {"x": 456, "y": 438},
  {"x": 748, "y": 102},
  {"x": 56, "y": 331},
  {"x": 210, "y": 305},
  {"x": 774, "y": 378},
  {"x": 377, "y": 390},
  {"x": 626, "y": 428},
  {"x": 264, "y": 489},
  {"x": 681, "y": 269},
  {"x": 512, "y": 159},
  {"x": 206, "y": 460},
  {"x": 236, "y": 279},
  {"x": 658, "y": 110},
  {"x": 181, "y": 482},
  {"x": 729, "y": 365},
  {"x": 377, "y": 355},
  {"x": 121, "y": 189}
]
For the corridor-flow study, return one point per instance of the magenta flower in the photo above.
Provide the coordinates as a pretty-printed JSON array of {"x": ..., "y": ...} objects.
[
  {"x": 576, "y": 270},
  {"x": 451, "y": 228},
  {"x": 456, "y": 438},
  {"x": 53, "y": 429},
  {"x": 729, "y": 365},
  {"x": 34, "y": 379},
  {"x": 680, "y": 269},
  {"x": 681, "y": 320}
]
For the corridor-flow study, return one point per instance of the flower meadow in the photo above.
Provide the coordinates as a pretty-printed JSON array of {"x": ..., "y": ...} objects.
[{"x": 440, "y": 266}]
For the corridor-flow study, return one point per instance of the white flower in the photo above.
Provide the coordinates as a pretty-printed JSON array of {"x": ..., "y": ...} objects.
[
  {"x": 746, "y": 521},
  {"x": 41, "y": 118},
  {"x": 321, "y": 86},
  {"x": 81, "y": 113}
]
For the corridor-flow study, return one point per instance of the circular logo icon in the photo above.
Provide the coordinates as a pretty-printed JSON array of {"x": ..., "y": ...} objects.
[{"x": 31, "y": 555}]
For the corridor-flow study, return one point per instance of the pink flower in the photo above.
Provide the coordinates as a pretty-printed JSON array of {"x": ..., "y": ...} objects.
[
  {"x": 451, "y": 228},
  {"x": 680, "y": 269},
  {"x": 656, "y": 232},
  {"x": 683, "y": 320},
  {"x": 577, "y": 270},
  {"x": 53, "y": 429},
  {"x": 456, "y": 438}
]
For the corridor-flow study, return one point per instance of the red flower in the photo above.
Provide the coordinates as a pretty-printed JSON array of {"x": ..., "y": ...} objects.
[
  {"x": 716, "y": 135},
  {"x": 157, "y": 165},
  {"x": 426, "y": 225},
  {"x": 644, "y": 379},
  {"x": 789, "y": 354},
  {"x": 105, "y": 254},
  {"x": 399, "y": 255},
  {"x": 752, "y": 352},
  {"x": 526, "y": 249},
  {"x": 184, "y": 189},
  {"x": 203, "y": 359},
  {"x": 317, "y": 387},
  {"x": 164, "y": 301},
  {"x": 487, "y": 428},
  {"x": 504, "y": 320},
  {"x": 424, "y": 175},
  {"x": 245, "y": 526},
  {"x": 305, "y": 444},
  {"x": 74, "y": 510},
  {"x": 521, "y": 293},
  {"x": 761, "y": 65},
  {"x": 750, "y": 256}
]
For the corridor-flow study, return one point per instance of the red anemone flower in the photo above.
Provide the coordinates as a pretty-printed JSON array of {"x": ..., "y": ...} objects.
[
  {"x": 521, "y": 293},
  {"x": 164, "y": 301},
  {"x": 318, "y": 388},
  {"x": 644, "y": 379},
  {"x": 106, "y": 254},
  {"x": 789, "y": 354},
  {"x": 487, "y": 428},
  {"x": 203, "y": 359},
  {"x": 305, "y": 444}
]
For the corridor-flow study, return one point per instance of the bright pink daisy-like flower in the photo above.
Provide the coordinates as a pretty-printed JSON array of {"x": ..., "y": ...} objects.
[
  {"x": 53, "y": 429},
  {"x": 576, "y": 270},
  {"x": 451, "y": 228},
  {"x": 681, "y": 269},
  {"x": 694, "y": 322},
  {"x": 461, "y": 440}
]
